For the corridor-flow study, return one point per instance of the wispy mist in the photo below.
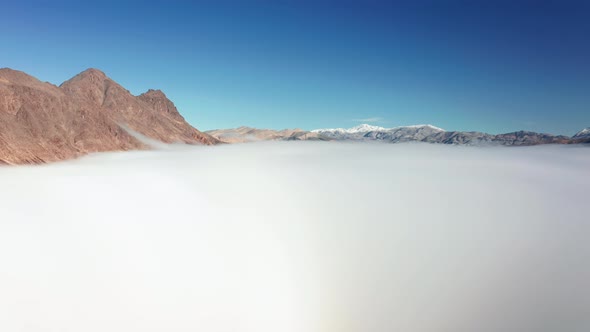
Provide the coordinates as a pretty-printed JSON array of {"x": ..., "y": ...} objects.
[{"x": 299, "y": 236}]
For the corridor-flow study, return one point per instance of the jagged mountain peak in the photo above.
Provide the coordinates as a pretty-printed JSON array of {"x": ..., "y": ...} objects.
[
  {"x": 93, "y": 72},
  {"x": 160, "y": 103},
  {"x": 94, "y": 87},
  {"x": 154, "y": 93},
  {"x": 90, "y": 74}
]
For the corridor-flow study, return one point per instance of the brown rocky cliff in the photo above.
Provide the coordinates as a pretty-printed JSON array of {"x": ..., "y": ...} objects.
[{"x": 40, "y": 122}]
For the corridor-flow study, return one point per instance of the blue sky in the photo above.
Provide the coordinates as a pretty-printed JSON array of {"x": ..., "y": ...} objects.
[{"x": 493, "y": 66}]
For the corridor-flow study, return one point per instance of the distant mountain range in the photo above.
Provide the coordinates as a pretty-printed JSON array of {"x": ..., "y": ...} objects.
[
  {"x": 415, "y": 133},
  {"x": 41, "y": 122}
]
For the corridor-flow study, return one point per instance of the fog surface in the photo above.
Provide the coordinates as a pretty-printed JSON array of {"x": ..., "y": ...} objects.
[{"x": 298, "y": 237}]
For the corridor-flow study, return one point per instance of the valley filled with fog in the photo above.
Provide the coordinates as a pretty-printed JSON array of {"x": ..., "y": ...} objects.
[{"x": 298, "y": 237}]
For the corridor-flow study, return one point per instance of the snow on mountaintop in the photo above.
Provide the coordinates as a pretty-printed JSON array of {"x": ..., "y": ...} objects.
[
  {"x": 365, "y": 128},
  {"x": 583, "y": 133}
]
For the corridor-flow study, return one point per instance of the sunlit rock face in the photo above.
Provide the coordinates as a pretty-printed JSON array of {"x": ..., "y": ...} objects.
[
  {"x": 40, "y": 122},
  {"x": 299, "y": 236}
]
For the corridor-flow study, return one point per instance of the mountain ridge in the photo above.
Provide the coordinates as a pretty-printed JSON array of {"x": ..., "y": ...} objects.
[
  {"x": 41, "y": 122},
  {"x": 367, "y": 128},
  {"x": 412, "y": 133}
]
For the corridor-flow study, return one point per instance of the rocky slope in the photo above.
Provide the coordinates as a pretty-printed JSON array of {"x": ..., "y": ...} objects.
[
  {"x": 416, "y": 133},
  {"x": 40, "y": 122}
]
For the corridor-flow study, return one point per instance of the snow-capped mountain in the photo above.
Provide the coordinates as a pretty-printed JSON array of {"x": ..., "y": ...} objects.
[
  {"x": 583, "y": 134},
  {"x": 365, "y": 128},
  {"x": 367, "y": 132}
]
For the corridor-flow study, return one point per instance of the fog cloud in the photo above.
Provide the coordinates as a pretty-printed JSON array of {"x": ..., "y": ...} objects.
[{"x": 299, "y": 236}]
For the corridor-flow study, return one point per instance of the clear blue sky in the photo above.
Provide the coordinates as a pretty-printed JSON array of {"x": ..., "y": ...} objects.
[{"x": 493, "y": 66}]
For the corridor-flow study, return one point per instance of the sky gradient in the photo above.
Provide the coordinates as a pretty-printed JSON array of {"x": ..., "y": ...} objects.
[{"x": 490, "y": 66}]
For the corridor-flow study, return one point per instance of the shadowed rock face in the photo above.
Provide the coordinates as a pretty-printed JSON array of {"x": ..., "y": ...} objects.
[{"x": 40, "y": 122}]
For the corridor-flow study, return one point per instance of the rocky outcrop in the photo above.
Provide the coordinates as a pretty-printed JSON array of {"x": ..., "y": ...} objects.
[{"x": 40, "y": 122}]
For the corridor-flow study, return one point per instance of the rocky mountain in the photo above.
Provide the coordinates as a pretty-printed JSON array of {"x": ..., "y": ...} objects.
[
  {"x": 415, "y": 133},
  {"x": 363, "y": 128},
  {"x": 368, "y": 132},
  {"x": 247, "y": 134},
  {"x": 41, "y": 122},
  {"x": 583, "y": 135}
]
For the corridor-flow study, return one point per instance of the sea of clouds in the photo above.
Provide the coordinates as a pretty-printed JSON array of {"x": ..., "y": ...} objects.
[{"x": 299, "y": 237}]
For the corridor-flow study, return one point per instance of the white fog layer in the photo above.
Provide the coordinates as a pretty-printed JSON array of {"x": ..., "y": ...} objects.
[{"x": 299, "y": 237}]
